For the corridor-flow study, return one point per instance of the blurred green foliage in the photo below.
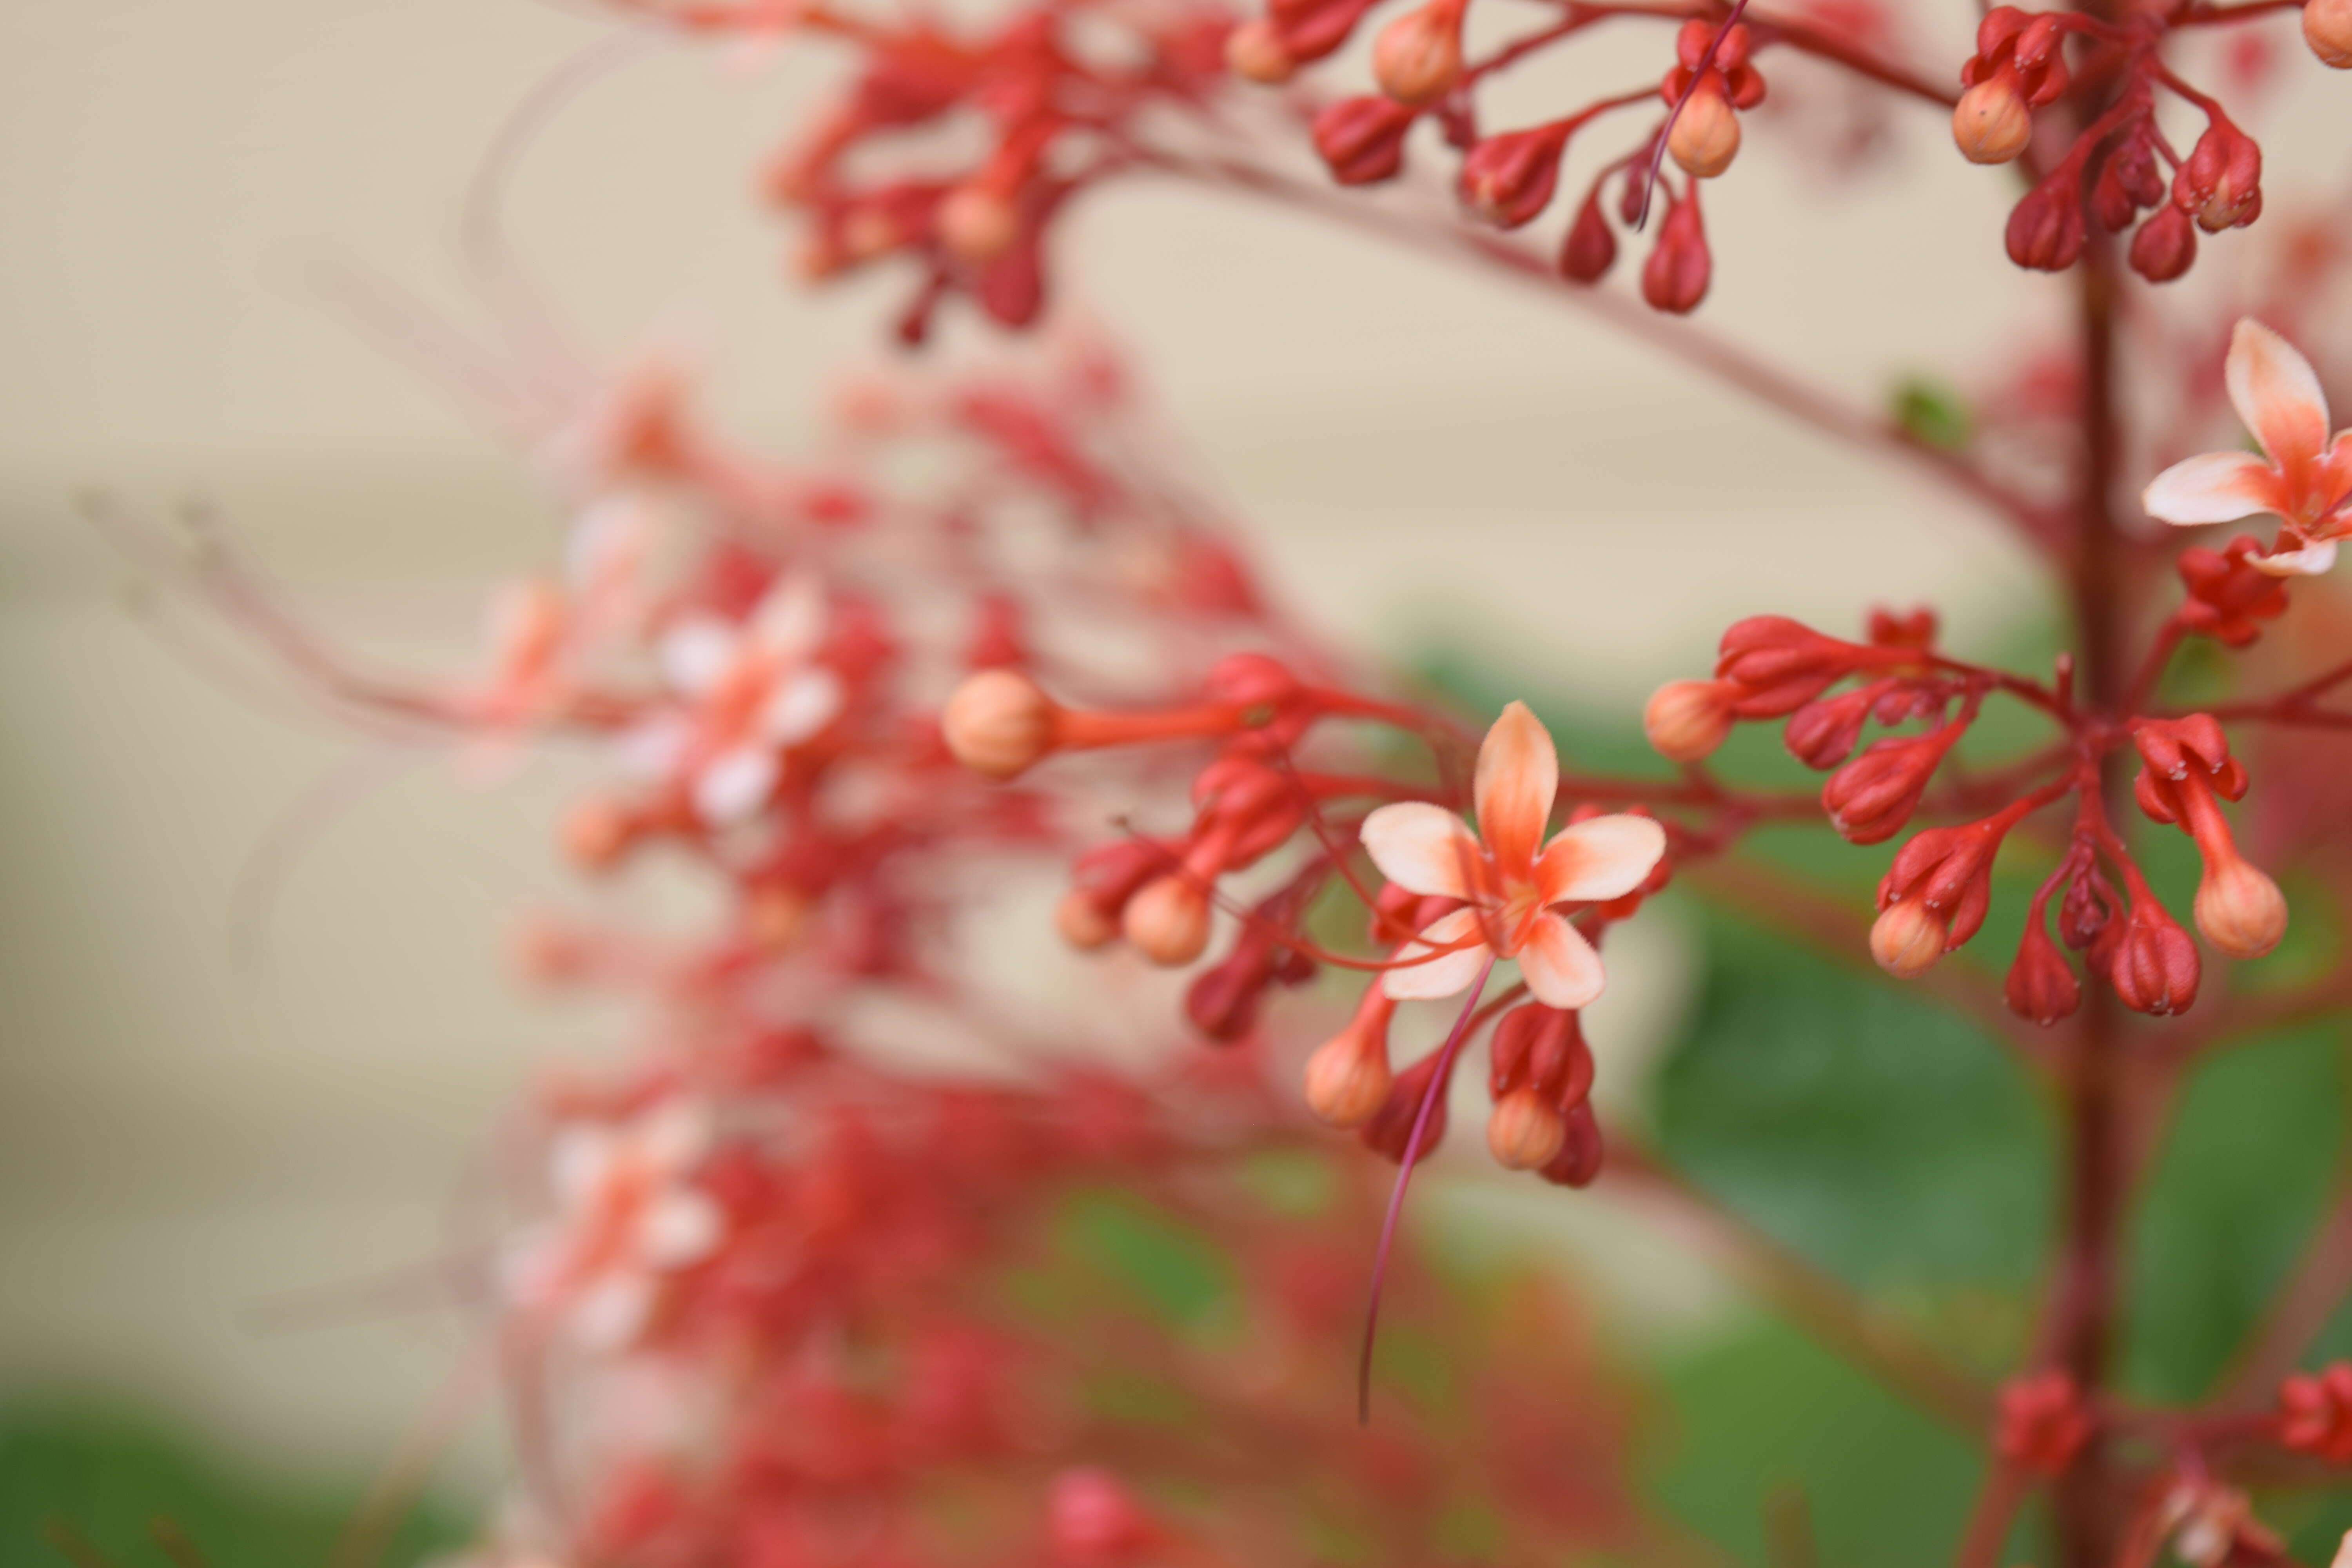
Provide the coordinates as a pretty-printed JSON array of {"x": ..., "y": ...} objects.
[{"x": 107, "y": 1474}]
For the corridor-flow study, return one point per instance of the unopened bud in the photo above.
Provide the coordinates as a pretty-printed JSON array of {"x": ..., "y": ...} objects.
[
  {"x": 597, "y": 833},
  {"x": 1361, "y": 139},
  {"x": 1082, "y": 922},
  {"x": 1871, "y": 797},
  {"x": 998, "y": 723},
  {"x": 2327, "y": 28},
  {"x": 1908, "y": 937},
  {"x": 977, "y": 224},
  {"x": 1417, "y": 58},
  {"x": 1580, "y": 1151},
  {"x": 2241, "y": 911},
  {"x": 1992, "y": 125},
  {"x": 2165, "y": 246},
  {"x": 2154, "y": 968},
  {"x": 1591, "y": 248},
  {"x": 1524, "y": 1133},
  {"x": 1168, "y": 920},
  {"x": 1706, "y": 136},
  {"x": 1389, "y": 1131},
  {"x": 1310, "y": 29},
  {"x": 2045, "y": 228},
  {"x": 1507, "y": 180},
  {"x": 1687, "y": 720},
  {"x": 1254, "y": 51},
  {"x": 2041, "y": 986},
  {"x": 2220, "y": 181},
  {"x": 1675, "y": 276}
]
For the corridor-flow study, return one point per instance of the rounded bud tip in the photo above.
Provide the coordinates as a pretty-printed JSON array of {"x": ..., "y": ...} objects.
[
  {"x": 2327, "y": 28},
  {"x": 1417, "y": 58},
  {"x": 1525, "y": 1134},
  {"x": 2240, "y": 911},
  {"x": 1168, "y": 919},
  {"x": 1082, "y": 921},
  {"x": 1686, "y": 719},
  {"x": 1348, "y": 1077},
  {"x": 596, "y": 835},
  {"x": 976, "y": 223},
  {"x": 1254, "y": 52},
  {"x": 1992, "y": 125},
  {"x": 998, "y": 723},
  {"x": 1706, "y": 136},
  {"x": 1908, "y": 937}
]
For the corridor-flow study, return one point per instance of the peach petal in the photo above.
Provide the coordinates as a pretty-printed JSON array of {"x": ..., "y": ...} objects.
[
  {"x": 1519, "y": 775},
  {"x": 2213, "y": 486},
  {"x": 2276, "y": 393},
  {"x": 1446, "y": 973},
  {"x": 1423, "y": 848},
  {"x": 1558, "y": 965},
  {"x": 1602, "y": 857}
]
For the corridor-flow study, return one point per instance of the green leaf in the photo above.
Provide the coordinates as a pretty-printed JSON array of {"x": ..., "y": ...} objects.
[{"x": 1931, "y": 411}]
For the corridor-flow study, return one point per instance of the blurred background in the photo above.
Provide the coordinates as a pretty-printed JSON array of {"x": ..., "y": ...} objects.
[{"x": 217, "y": 1155}]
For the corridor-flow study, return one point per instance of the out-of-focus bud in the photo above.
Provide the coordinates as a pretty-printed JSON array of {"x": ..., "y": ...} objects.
[
  {"x": 2164, "y": 247},
  {"x": 977, "y": 224},
  {"x": 2153, "y": 969},
  {"x": 1223, "y": 999},
  {"x": 1417, "y": 58},
  {"x": 1675, "y": 276},
  {"x": 1310, "y": 29},
  {"x": 999, "y": 723},
  {"x": 2045, "y": 228},
  {"x": 1389, "y": 1130},
  {"x": 1591, "y": 248},
  {"x": 1870, "y": 798},
  {"x": 1361, "y": 139},
  {"x": 2315, "y": 1414},
  {"x": 2240, "y": 911},
  {"x": 1348, "y": 1077},
  {"x": 1992, "y": 123},
  {"x": 1101, "y": 883},
  {"x": 2041, "y": 1422},
  {"x": 2088, "y": 908},
  {"x": 1687, "y": 720},
  {"x": 2220, "y": 181},
  {"x": 598, "y": 832},
  {"x": 1908, "y": 937},
  {"x": 1168, "y": 919},
  {"x": 2327, "y": 28},
  {"x": 1508, "y": 179},
  {"x": 2041, "y": 985},
  {"x": 1705, "y": 134},
  {"x": 1082, "y": 923},
  {"x": 1524, "y": 1132},
  {"x": 1254, "y": 52},
  {"x": 1093, "y": 1522},
  {"x": 1580, "y": 1151}
]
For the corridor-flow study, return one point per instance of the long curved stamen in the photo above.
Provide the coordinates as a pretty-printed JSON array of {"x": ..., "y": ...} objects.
[{"x": 1446, "y": 1055}]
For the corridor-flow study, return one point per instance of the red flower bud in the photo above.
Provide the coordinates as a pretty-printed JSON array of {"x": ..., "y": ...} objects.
[
  {"x": 1779, "y": 665},
  {"x": 2154, "y": 968},
  {"x": 1362, "y": 139},
  {"x": 1417, "y": 58},
  {"x": 1540, "y": 1048},
  {"x": 2220, "y": 181},
  {"x": 2041, "y": 1422},
  {"x": 2164, "y": 246},
  {"x": 2176, "y": 750},
  {"x": 1508, "y": 179},
  {"x": 1591, "y": 248},
  {"x": 2315, "y": 1414},
  {"x": 1222, "y": 1000},
  {"x": 1675, "y": 276},
  {"x": 1824, "y": 731},
  {"x": 1870, "y": 798},
  {"x": 1390, "y": 1131},
  {"x": 1580, "y": 1151},
  {"x": 2045, "y": 228},
  {"x": 1310, "y": 29},
  {"x": 2041, "y": 985},
  {"x": 2227, "y": 592},
  {"x": 2088, "y": 909},
  {"x": 1950, "y": 871}
]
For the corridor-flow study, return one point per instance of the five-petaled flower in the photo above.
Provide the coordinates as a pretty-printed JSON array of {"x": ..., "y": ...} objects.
[
  {"x": 2304, "y": 475},
  {"x": 1510, "y": 881},
  {"x": 627, "y": 1212},
  {"x": 753, "y": 692}
]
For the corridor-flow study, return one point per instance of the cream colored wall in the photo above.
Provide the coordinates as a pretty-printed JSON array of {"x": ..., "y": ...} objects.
[{"x": 181, "y": 1139}]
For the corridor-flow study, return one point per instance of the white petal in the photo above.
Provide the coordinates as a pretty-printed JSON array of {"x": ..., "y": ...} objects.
[
  {"x": 611, "y": 1312},
  {"x": 1601, "y": 858},
  {"x": 2276, "y": 393},
  {"x": 696, "y": 652},
  {"x": 1559, "y": 966},
  {"x": 734, "y": 784},
  {"x": 1423, "y": 848},
  {"x": 680, "y": 1227},
  {"x": 652, "y": 748},
  {"x": 802, "y": 704},
  {"x": 2308, "y": 562},
  {"x": 789, "y": 622},
  {"x": 2213, "y": 486},
  {"x": 1446, "y": 973},
  {"x": 579, "y": 1160}
]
